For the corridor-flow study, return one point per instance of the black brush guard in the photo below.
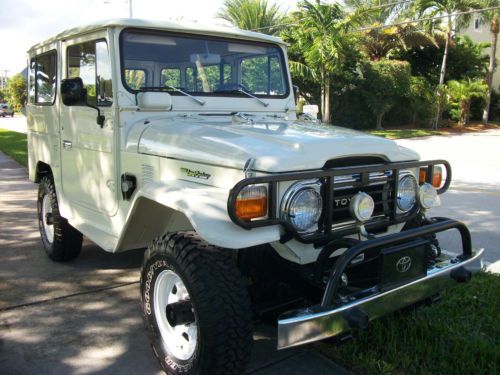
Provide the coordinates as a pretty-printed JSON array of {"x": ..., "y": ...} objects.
[{"x": 325, "y": 232}]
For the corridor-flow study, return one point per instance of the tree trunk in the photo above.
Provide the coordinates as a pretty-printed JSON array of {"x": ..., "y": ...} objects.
[
  {"x": 443, "y": 73},
  {"x": 379, "y": 121},
  {"x": 463, "y": 114},
  {"x": 326, "y": 105},
  {"x": 495, "y": 25},
  {"x": 323, "y": 96},
  {"x": 414, "y": 118}
]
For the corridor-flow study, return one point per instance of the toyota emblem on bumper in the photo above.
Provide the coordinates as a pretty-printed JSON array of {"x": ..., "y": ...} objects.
[{"x": 403, "y": 264}]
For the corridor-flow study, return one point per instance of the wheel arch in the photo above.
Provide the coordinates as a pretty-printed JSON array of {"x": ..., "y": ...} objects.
[
  {"x": 148, "y": 220},
  {"x": 42, "y": 169},
  {"x": 159, "y": 208}
]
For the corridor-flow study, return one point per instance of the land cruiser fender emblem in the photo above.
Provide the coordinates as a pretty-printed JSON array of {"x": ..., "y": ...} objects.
[
  {"x": 195, "y": 174},
  {"x": 403, "y": 264}
]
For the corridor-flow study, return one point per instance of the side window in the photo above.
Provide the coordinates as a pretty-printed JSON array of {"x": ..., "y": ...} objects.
[
  {"x": 42, "y": 78},
  {"x": 253, "y": 75},
  {"x": 171, "y": 77},
  {"x": 207, "y": 78},
  {"x": 31, "y": 81},
  {"x": 135, "y": 78},
  {"x": 276, "y": 84},
  {"x": 104, "y": 77},
  {"x": 263, "y": 75},
  {"x": 90, "y": 61}
]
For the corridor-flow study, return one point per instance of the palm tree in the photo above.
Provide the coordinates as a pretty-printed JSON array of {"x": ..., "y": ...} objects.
[
  {"x": 446, "y": 8},
  {"x": 252, "y": 15},
  {"x": 320, "y": 31},
  {"x": 380, "y": 38},
  {"x": 378, "y": 42},
  {"x": 462, "y": 92},
  {"x": 493, "y": 18}
]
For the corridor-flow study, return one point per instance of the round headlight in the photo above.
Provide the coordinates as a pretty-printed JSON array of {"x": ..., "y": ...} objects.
[
  {"x": 302, "y": 206},
  {"x": 362, "y": 206},
  {"x": 407, "y": 193},
  {"x": 428, "y": 196}
]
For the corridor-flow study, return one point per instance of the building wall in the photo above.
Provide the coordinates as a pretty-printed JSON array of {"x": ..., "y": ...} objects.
[
  {"x": 3, "y": 82},
  {"x": 481, "y": 33}
]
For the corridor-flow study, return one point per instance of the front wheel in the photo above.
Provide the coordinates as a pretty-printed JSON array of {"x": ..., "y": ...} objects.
[{"x": 195, "y": 306}]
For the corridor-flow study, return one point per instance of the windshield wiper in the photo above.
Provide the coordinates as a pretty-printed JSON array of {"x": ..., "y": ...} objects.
[
  {"x": 199, "y": 101},
  {"x": 247, "y": 94},
  {"x": 162, "y": 88}
]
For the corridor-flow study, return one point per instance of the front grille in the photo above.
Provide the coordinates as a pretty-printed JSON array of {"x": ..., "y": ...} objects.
[{"x": 379, "y": 185}]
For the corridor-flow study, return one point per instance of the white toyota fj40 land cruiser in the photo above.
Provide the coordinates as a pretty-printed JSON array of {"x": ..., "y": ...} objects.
[{"x": 184, "y": 140}]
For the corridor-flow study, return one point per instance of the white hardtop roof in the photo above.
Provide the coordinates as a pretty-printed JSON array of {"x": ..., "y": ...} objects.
[{"x": 187, "y": 27}]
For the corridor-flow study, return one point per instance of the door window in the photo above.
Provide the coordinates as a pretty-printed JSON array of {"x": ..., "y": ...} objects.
[
  {"x": 91, "y": 62},
  {"x": 171, "y": 77},
  {"x": 135, "y": 78}
]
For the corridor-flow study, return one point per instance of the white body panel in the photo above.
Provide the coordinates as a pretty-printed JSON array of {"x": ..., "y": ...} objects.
[{"x": 161, "y": 143}]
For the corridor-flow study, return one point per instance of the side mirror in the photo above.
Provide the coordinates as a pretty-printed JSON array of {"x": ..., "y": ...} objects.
[{"x": 73, "y": 92}]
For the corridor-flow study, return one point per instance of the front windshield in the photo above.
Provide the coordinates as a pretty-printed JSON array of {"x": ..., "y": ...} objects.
[{"x": 201, "y": 65}]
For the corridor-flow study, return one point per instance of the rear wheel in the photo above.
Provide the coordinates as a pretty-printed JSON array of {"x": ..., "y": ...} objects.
[
  {"x": 195, "y": 306},
  {"x": 60, "y": 240}
]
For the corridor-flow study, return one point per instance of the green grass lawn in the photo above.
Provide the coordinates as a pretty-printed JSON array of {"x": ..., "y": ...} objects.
[
  {"x": 15, "y": 145},
  {"x": 458, "y": 335},
  {"x": 405, "y": 133}
]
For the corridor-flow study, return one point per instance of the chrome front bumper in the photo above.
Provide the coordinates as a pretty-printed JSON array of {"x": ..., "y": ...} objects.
[{"x": 303, "y": 326}]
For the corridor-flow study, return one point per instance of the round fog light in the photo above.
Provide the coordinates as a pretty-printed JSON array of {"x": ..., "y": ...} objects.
[
  {"x": 428, "y": 196},
  {"x": 362, "y": 206}
]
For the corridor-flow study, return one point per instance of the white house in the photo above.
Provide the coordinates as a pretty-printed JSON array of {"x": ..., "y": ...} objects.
[{"x": 480, "y": 32}]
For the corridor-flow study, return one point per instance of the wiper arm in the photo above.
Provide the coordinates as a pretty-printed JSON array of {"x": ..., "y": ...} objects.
[
  {"x": 162, "y": 88},
  {"x": 265, "y": 104},
  {"x": 199, "y": 101}
]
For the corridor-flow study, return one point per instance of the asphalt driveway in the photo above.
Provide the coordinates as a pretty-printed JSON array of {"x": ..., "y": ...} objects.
[
  {"x": 474, "y": 196},
  {"x": 83, "y": 317}
]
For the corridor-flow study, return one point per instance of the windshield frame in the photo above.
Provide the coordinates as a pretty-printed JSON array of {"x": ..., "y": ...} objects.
[{"x": 285, "y": 75}]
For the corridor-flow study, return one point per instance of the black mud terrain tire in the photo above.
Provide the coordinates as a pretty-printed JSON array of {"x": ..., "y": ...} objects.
[
  {"x": 62, "y": 242},
  {"x": 218, "y": 300}
]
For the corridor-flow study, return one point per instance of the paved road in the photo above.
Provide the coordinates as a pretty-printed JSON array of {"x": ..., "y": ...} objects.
[
  {"x": 474, "y": 196},
  {"x": 83, "y": 317}
]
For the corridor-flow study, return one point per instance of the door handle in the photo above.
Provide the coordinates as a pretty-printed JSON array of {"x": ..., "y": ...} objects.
[{"x": 67, "y": 145}]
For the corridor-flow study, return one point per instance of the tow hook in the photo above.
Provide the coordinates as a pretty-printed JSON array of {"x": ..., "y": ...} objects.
[{"x": 461, "y": 275}]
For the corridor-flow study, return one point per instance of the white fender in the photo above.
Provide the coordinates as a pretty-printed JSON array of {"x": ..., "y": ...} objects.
[{"x": 206, "y": 209}]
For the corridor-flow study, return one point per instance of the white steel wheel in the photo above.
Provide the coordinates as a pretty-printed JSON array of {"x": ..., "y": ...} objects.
[
  {"x": 47, "y": 219},
  {"x": 195, "y": 307},
  {"x": 180, "y": 335}
]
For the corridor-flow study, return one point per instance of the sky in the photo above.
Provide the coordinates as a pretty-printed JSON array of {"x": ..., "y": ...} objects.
[{"x": 24, "y": 23}]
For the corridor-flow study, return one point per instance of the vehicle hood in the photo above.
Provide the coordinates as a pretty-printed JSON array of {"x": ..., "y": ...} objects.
[{"x": 276, "y": 146}]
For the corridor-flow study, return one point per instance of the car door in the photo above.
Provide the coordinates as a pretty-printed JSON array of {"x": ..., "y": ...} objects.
[{"x": 88, "y": 149}]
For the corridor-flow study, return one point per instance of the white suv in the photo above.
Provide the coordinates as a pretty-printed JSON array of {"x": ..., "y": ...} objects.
[{"x": 184, "y": 140}]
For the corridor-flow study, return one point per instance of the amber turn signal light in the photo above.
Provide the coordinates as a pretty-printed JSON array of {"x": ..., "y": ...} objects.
[
  {"x": 251, "y": 202},
  {"x": 437, "y": 177}
]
